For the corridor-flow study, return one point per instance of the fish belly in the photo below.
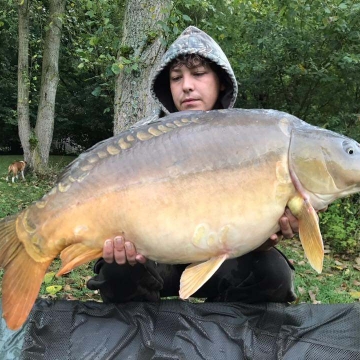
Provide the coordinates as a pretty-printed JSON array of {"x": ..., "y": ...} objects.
[{"x": 200, "y": 216}]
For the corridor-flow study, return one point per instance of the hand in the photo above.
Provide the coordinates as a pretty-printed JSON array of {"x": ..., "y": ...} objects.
[
  {"x": 289, "y": 224},
  {"x": 121, "y": 251}
]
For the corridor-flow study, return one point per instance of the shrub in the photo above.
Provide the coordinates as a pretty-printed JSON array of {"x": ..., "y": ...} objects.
[{"x": 340, "y": 225}]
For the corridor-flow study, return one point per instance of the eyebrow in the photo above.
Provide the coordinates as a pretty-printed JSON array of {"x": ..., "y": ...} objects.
[{"x": 177, "y": 68}]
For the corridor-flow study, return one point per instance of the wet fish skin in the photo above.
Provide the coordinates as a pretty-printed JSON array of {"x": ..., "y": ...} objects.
[{"x": 194, "y": 188}]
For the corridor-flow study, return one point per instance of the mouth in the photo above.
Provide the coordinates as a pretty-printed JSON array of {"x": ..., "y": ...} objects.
[{"x": 189, "y": 101}]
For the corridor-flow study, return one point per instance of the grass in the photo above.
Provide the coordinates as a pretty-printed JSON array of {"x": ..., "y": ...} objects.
[
  {"x": 16, "y": 196},
  {"x": 338, "y": 283}
]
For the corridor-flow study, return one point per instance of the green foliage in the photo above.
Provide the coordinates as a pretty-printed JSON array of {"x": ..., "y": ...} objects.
[
  {"x": 126, "y": 51},
  {"x": 292, "y": 56},
  {"x": 93, "y": 33},
  {"x": 201, "y": 13},
  {"x": 340, "y": 225},
  {"x": 9, "y": 140},
  {"x": 86, "y": 89}
]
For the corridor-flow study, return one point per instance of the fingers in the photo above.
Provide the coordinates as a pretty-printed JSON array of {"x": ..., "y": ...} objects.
[
  {"x": 285, "y": 228},
  {"x": 130, "y": 253},
  {"x": 140, "y": 259},
  {"x": 121, "y": 251},
  {"x": 289, "y": 224},
  {"x": 108, "y": 251},
  {"x": 269, "y": 243},
  {"x": 293, "y": 221},
  {"x": 274, "y": 239}
]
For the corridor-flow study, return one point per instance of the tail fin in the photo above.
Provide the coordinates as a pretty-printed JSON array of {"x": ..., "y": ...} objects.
[{"x": 22, "y": 276}]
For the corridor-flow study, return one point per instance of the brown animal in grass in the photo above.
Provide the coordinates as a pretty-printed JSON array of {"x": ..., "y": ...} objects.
[{"x": 15, "y": 168}]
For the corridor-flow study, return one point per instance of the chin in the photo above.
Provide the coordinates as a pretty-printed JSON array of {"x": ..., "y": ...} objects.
[{"x": 192, "y": 107}]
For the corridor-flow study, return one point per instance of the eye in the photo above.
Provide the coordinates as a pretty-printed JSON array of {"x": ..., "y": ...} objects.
[
  {"x": 175, "y": 78},
  {"x": 350, "y": 147}
]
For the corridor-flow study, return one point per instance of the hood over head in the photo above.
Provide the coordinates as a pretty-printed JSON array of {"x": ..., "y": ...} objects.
[{"x": 193, "y": 41}]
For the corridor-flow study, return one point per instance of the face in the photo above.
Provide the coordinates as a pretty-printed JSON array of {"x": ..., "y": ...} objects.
[{"x": 196, "y": 88}]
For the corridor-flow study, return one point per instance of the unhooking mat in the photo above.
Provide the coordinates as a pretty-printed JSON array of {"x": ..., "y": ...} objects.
[{"x": 73, "y": 330}]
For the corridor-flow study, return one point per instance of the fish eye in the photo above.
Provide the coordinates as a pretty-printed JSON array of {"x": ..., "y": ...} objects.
[{"x": 348, "y": 147}]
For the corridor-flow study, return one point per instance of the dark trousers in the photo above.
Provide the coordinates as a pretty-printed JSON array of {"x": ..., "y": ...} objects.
[{"x": 259, "y": 276}]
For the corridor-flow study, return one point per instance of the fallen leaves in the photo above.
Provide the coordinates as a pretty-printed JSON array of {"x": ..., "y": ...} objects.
[
  {"x": 355, "y": 294},
  {"x": 356, "y": 267},
  {"x": 312, "y": 294},
  {"x": 69, "y": 287},
  {"x": 301, "y": 290},
  {"x": 49, "y": 277},
  {"x": 53, "y": 289}
]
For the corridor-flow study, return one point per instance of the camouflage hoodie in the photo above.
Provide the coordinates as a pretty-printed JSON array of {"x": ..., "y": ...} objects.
[{"x": 191, "y": 41}]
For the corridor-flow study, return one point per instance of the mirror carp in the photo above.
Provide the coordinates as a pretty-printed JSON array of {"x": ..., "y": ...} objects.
[{"x": 194, "y": 188}]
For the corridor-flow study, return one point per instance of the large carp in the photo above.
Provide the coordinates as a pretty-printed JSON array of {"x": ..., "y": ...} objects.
[{"x": 196, "y": 187}]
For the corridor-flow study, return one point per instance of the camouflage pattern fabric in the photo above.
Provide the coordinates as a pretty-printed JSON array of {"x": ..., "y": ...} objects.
[{"x": 191, "y": 41}]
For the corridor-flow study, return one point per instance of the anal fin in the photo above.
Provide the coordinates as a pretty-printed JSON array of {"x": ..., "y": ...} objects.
[
  {"x": 76, "y": 255},
  {"x": 197, "y": 274},
  {"x": 309, "y": 231}
]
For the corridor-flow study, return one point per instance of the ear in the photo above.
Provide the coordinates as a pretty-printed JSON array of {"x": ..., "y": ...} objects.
[{"x": 222, "y": 87}]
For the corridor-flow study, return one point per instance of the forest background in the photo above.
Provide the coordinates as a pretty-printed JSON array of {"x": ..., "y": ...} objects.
[{"x": 302, "y": 57}]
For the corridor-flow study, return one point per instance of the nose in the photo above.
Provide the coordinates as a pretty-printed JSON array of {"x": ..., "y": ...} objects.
[{"x": 188, "y": 83}]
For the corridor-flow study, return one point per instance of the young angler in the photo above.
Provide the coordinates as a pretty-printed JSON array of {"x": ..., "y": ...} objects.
[{"x": 195, "y": 75}]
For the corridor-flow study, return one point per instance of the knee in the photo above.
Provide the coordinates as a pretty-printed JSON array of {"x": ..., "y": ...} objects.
[{"x": 275, "y": 276}]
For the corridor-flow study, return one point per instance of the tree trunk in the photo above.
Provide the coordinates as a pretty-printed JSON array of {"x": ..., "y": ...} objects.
[
  {"x": 49, "y": 81},
  {"x": 23, "y": 80},
  {"x": 141, "y": 44}
]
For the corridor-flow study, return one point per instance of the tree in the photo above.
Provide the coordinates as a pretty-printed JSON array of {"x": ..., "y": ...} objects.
[
  {"x": 36, "y": 144},
  {"x": 49, "y": 82},
  {"x": 23, "y": 79},
  {"x": 140, "y": 51}
]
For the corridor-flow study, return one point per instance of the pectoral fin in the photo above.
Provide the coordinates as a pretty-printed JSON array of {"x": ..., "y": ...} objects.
[
  {"x": 197, "y": 274},
  {"x": 76, "y": 255},
  {"x": 309, "y": 231}
]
